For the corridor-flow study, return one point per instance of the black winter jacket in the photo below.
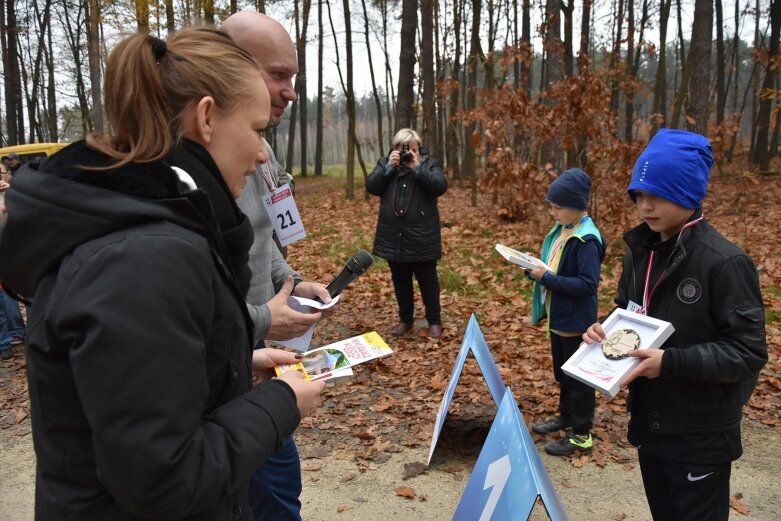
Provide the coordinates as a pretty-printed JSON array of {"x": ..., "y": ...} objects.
[
  {"x": 709, "y": 291},
  {"x": 408, "y": 227},
  {"x": 138, "y": 348}
]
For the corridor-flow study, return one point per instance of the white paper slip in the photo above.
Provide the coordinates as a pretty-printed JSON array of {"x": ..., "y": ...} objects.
[
  {"x": 305, "y": 305},
  {"x": 526, "y": 262}
]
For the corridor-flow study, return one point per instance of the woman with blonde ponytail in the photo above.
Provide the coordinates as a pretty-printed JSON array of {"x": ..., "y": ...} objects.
[{"x": 139, "y": 347}]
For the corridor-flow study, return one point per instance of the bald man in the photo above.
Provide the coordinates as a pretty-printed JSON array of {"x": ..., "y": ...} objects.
[{"x": 276, "y": 486}]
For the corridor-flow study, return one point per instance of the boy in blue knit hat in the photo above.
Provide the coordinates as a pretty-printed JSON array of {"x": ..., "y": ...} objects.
[
  {"x": 568, "y": 297},
  {"x": 686, "y": 398}
]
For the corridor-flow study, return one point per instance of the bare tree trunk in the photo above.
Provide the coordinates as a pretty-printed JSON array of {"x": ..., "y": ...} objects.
[
  {"x": 454, "y": 125},
  {"x": 301, "y": 80},
  {"x": 488, "y": 61},
  {"x": 569, "y": 66},
  {"x": 629, "y": 105},
  {"x": 721, "y": 91},
  {"x": 405, "y": 100},
  {"x": 389, "y": 94},
  {"x": 351, "y": 141},
  {"x": 471, "y": 97},
  {"x": 319, "y": 131},
  {"x": 441, "y": 112},
  {"x": 755, "y": 78},
  {"x": 660, "y": 87},
  {"x": 429, "y": 129},
  {"x": 208, "y": 11},
  {"x": 585, "y": 28},
  {"x": 170, "y": 19},
  {"x": 699, "y": 61},
  {"x": 51, "y": 94},
  {"x": 615, "y": 56},
  {"x": 142, "y": 15},
  {"x": 761, "y": 155},
  {"x": 39, "y": 33},
  {"x": 375, "y": 91},
  {"x": 526, "y": 35},
  {"x": 685, "y": 73},
  {"x": 554, "y": 69},
  {"x": 554, "y": 47},
  {"x": 14, "y": 111},
  {"x": 95, "y": 76},
  {"x": 291, "y": 133},
  {"x": 736, "y": 67}
]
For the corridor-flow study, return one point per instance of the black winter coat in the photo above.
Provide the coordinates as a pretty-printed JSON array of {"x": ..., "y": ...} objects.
[
  {"x": 138, "y": 348},
  {"x": 408, "y": 227},
  {"x": 709, "y": 291}
]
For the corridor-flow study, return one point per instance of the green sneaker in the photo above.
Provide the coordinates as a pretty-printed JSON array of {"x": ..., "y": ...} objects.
[{"x": 569, "y": 444}]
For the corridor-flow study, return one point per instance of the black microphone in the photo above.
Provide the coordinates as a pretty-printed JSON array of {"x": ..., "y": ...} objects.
[{"x": 356, "y": 266}]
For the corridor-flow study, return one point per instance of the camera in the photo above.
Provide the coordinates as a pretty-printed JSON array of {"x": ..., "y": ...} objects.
[{"x": 404, "y": 155}]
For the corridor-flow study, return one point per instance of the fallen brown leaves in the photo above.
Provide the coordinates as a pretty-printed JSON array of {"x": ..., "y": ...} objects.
[
  {"x": 738, "y": 506},
  {"x": 396, "y": 399},
  {"x": 407, "y": 492},
  {"x": 392, "y": 402}
]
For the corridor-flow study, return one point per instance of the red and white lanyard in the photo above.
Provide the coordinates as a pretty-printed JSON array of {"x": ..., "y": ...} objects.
[
  {"x": 265, "y": 170},
  {"x": 646, "y": 293}
]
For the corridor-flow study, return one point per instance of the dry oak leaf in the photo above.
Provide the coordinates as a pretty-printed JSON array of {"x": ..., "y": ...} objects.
[
  {"x": 407, "y": 492},
  {"x": 738, "y": 506},
  {"x": 413, "y": 469}
]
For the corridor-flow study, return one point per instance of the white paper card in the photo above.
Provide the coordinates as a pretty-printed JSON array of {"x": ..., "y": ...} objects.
[
  {"x": 592, "y": 367},
  {"x": 523, "y": 260},
  {"x": 283, "y": 212},
  {"x": 305, "y": 305}
]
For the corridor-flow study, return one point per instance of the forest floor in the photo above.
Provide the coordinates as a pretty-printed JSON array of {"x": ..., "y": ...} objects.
[{"x": 370, "y": 425}]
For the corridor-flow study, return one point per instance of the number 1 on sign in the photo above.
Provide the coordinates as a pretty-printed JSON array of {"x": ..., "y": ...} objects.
[{"x": 497, "y": 475}]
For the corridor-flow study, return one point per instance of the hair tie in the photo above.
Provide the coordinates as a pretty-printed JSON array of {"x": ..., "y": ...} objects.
[{"x": 159, "y": 47}]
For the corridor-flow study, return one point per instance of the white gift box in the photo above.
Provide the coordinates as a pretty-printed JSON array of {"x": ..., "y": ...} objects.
[{"x": 593, "y": 368}]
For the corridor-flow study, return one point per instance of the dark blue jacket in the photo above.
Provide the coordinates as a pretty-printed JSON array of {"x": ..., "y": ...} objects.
[{"x": 574, "y": 285}]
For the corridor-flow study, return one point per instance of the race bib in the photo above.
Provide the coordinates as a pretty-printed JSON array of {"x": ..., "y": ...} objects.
[{"x": 283, "y": 212}]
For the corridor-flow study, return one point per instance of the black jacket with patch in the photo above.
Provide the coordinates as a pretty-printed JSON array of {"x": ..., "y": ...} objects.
[
  {"x": 709, "y": 290},
  {"x": 408, "y": 226},
  {"x": 139, "y": 346}
]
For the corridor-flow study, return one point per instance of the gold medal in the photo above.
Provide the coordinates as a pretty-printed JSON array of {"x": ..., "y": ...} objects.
[{"x": 619, "y": 343}]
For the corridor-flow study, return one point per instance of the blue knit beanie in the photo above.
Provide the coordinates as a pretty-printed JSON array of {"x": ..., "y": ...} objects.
[
  {"x": 674, "y": 166},
  {"x": 570, "y": 190}
]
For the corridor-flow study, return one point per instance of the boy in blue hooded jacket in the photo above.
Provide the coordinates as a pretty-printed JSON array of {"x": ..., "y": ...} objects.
[
  {"x": 686, "y": 398},
  {"x": 574, "y": 250}
]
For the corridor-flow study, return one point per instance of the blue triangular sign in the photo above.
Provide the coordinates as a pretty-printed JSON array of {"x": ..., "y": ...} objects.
[
  {"x": 474, "y": 341},
  {"x": 509, "y": 474}
]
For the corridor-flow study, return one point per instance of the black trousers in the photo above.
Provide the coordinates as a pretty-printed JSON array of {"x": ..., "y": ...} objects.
[
  {"x": 576, "y": 399},
  {"x": 679, "y": 491},
  {"x": 426, "y": 275}
]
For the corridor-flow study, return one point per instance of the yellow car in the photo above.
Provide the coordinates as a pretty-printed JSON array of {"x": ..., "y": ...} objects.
[{"x": 31, "y": 152}]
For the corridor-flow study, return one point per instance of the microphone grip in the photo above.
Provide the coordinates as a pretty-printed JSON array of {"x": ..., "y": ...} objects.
[{"x": 340, "y": 282}]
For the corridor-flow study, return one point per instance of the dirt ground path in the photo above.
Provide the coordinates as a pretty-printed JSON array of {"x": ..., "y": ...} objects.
[{"x": 335, "y": 489}]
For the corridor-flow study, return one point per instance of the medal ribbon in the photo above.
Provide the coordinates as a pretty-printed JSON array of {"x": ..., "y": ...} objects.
[{"x": 646, "y": 293}]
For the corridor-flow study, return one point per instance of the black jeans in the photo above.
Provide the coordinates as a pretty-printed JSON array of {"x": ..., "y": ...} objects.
[
  {"x": 576, "y": 399},
  {"x": 426, "y": 275}
]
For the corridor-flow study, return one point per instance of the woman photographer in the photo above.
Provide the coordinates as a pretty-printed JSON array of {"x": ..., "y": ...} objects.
[{"x": 408, "y": 236}]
